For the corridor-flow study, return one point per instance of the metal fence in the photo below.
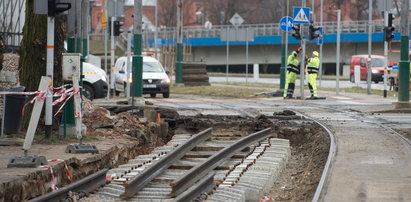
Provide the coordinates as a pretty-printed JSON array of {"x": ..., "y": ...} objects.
[
  {"x": 267, "y": 29},
  {"x": 12, "y": 13}
]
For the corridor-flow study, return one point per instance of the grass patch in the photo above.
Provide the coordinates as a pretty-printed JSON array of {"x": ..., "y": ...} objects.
[
  {"x": 345, "y": 90},
  {"x": 250, "y": 75},
  {"x": 247, "y": 93},
  {"x": 215, "y": 91}
]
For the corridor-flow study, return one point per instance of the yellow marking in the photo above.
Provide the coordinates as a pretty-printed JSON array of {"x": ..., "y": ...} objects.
[
  {"x": 112, "y": 68},
  {"x": 50, "y": 83}
]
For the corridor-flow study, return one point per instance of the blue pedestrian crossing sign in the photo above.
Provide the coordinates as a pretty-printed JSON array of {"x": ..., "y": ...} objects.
[
  {"x": 301, "y": 15},
  {"x": 286, "y": 23}
]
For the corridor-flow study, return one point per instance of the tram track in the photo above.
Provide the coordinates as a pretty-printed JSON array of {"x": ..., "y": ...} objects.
[{"x": 187, "y": 167}]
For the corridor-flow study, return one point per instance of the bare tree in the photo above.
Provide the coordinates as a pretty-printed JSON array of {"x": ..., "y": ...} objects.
[
  {"x": 167, "y": 12},
  {"x": 32, "y": 62}
]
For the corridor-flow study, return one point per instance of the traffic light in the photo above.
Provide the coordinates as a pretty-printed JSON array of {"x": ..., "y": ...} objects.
[
  {"x": 117, "y": 30},
  {"x": 55, "y": 7},
  {"x": 297, "y": 33},
  {"x": 388, "y": 30},
  {"x": 313, "y": 32}
]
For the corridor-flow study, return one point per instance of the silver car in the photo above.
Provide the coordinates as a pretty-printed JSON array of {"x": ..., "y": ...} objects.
[{"x": 155, "y": 78}]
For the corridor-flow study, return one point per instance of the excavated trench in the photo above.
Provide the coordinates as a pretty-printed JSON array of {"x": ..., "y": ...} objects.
[{"x": 309, "y": 151}]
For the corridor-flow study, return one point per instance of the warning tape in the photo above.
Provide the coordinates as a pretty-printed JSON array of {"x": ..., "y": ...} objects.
[
  {"x": 53, "y": 182},
  {"x": 266, "y": 198},
  {"x": 53, "y": 179},
  {"x": 63, "y": 95}
]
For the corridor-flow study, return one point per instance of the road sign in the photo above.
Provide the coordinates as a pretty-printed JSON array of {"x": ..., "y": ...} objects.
[
  {"x": 286, "y": 23},
  {"x": 320, "y": 38},
  {"x": 236, "y": 20},
  {"x": 301, "y": 15}
]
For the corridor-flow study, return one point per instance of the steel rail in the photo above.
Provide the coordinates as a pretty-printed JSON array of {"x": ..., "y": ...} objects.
[
  {"x": 147, "y": 175},
  {"x": 331, "y": 156},
  {"x": 87, "y": 184},
  {"x": 370, "y": 121},
  {"x": 198, "y": 172},
  {"x": 203, "y": 186}
]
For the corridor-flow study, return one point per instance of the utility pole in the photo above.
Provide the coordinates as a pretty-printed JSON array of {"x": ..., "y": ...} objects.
[
  {"x": 302, "y": 66},
  {"x": 137, "y": 57},
  {"x": 404, "y": 71},
  {"x": 369, "y": 47},
  {"x": 321, "y": 45},
  {"x": 385, "y": 53},
  {"x": 50, "y": 68},
  {"x": 104, "y": 16},
  {"x": 179, "y": 59},
  {"x": 283, "y": 53},
  {"x": 156, "y": 29},
  {"x": 112, "y": 52},
  {"x": 338, "y": 51}
]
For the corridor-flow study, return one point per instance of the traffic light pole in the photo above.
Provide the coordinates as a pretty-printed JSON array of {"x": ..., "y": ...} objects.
[
  {"x": 302, "y": 66},
  {"x": 385, "y": 55},
  {"x": 404, "y": 71},
  {"x": 179, "y": 59},
  {"x": 50, "y": 62},
  {"x": 137, "y": 88},
  {"x": 112, "y": 52}
]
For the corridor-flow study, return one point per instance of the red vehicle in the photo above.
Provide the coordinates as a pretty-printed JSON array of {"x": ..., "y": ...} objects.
[{"x": 377, "y": 67}]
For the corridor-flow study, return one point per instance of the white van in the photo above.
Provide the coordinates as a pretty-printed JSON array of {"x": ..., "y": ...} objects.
[
  {"x": 155, "y": 78},
  {"x": 94, "y": 82}
]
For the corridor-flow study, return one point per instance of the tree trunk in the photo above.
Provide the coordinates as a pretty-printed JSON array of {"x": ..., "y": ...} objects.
[{"x": 32, "y": 63}]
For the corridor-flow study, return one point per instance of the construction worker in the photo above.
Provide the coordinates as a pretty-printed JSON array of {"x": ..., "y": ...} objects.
[
  {"x": 292, "y": 71},
  {"x": 312, "y": 67}
]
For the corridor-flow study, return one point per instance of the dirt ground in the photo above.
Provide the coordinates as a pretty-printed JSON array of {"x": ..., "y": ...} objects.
[
  {"x": 406, "y": 132},
  {"x": 309, "y": 152}
]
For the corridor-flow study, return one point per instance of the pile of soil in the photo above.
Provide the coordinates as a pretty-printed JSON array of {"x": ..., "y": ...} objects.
[{"x": 102, "y": 123}]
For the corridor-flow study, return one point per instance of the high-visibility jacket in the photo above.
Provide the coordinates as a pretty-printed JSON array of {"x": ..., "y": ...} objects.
[
  {"x": 313, "y": 65},
  {"x": 293, "y": 63}
]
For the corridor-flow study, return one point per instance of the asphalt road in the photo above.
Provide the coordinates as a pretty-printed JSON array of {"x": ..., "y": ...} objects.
[{"x": 322, "y": 83}]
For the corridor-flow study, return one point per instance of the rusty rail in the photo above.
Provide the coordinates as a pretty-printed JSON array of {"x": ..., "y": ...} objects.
[
  {"x": 147, "y": 175},
  {"x": 200, "y": 171},
  {"x": 87, "y": 184}
]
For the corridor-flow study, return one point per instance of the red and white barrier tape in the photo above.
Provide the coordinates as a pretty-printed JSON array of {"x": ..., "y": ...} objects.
[
  {"x": 53, "y": 179},
  {"x": 266, "y": 198},
  {"x": 53, "y": 182},
  {"x": 63, "y": 94}
]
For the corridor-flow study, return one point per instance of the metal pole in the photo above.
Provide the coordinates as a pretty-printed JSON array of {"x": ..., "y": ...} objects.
[
  {"x": 302, "y": 66},
  {"x": 227, "y": 54},
  {"x": 404, "y": 71},
  {"x": 128, "y": 65},
  {"x": 156, "y": 29},
  {"x": 246, "y": 53},
  {"x": 385, "y": 55},
  {"x": 137, "y": 57},
  {"x": 112, "y": 52},
  {"x": 50, "y": 62},
  {"x": 338, "y": 51},
  {"x": 283, "y": 51},
  {"x": 179, "y": 58},
  {"x": 105, "y": 58},
  {"x": 321, "y": 45},
  {"x": 369, "y": 47}
]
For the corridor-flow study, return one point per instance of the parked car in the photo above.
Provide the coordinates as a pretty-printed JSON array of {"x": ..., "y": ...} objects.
[
  {"x": 155, "y": 78},
  {"x": 94, "y": 82},
  {"x": 377, "y": 67}
]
